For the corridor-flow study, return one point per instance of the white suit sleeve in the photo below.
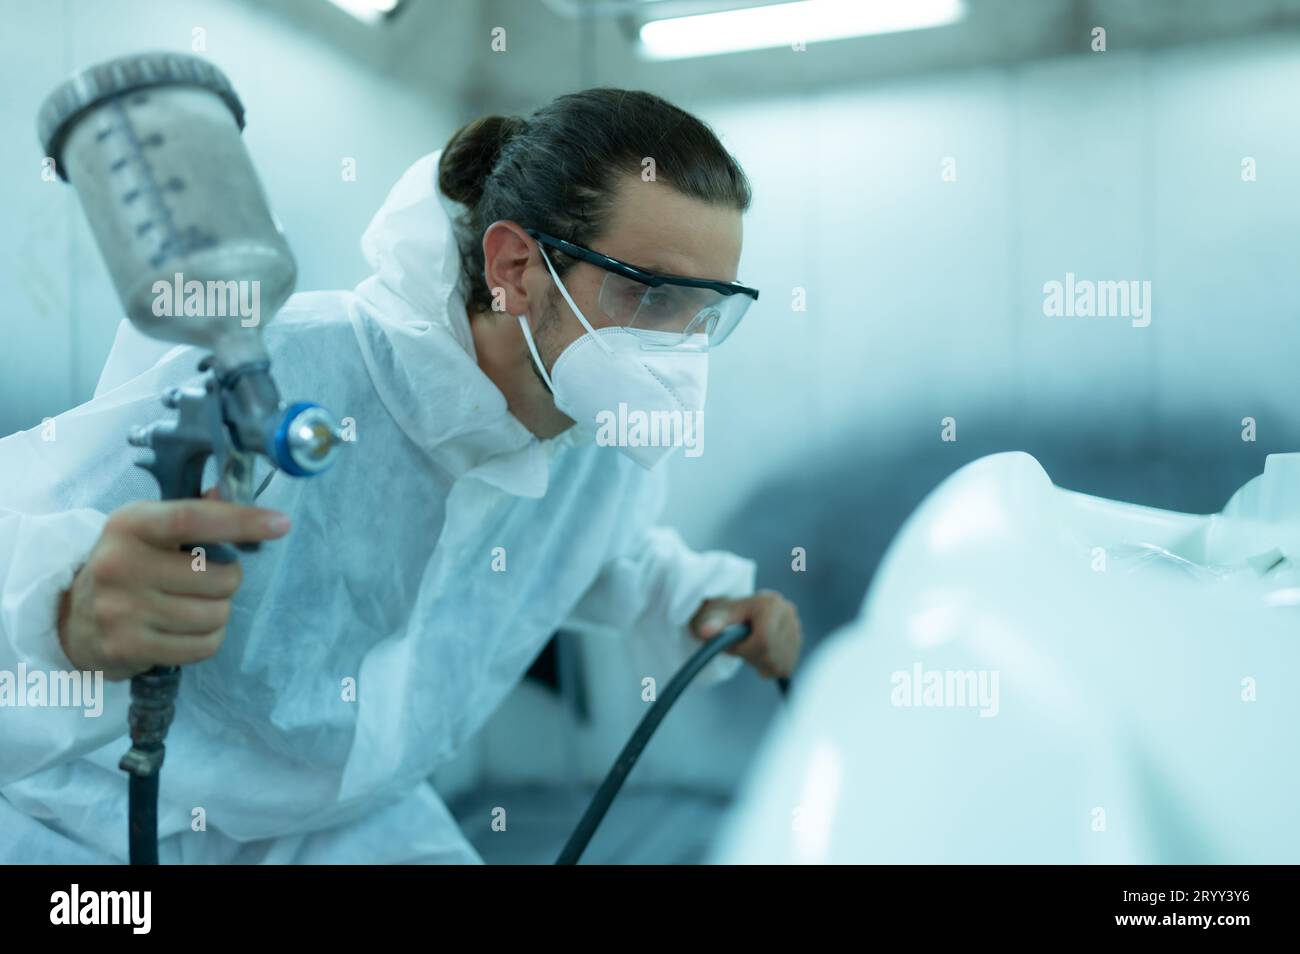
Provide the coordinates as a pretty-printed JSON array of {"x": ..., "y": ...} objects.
[
  {"x": 39, "y": 555},
  {"x": 651, "y": 594}
]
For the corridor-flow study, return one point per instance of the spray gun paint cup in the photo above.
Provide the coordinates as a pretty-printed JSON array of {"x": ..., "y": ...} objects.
[
  {"x": 152, "y": 145},
  {"x": 151, "y": 142}
]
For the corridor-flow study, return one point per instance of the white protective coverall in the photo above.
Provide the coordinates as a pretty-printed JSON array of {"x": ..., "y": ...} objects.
[{"x": 386, "y": 578}]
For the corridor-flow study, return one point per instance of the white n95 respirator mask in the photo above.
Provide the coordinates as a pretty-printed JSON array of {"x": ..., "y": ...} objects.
[{"x": 638, "y": 390}]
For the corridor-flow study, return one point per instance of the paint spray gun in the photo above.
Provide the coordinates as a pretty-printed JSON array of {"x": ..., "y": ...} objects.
[{"x": 151, "y": 143}]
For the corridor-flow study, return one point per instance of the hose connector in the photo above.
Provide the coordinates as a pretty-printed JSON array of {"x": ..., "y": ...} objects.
[{"x": 153, "y": 705}]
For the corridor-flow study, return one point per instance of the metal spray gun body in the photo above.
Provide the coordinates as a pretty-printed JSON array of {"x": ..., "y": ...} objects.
[{"x": 151, "y": 143}]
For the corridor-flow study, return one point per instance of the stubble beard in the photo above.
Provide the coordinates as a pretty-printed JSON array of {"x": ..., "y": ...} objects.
[{"x": 550, "y": 319}]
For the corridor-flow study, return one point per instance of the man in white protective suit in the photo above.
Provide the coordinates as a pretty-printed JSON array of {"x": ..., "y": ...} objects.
[{"x": 526, "y": 277}]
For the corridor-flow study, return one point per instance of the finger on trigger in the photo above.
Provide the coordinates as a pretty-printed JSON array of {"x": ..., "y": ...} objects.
[{"x": 171, "y": 523}]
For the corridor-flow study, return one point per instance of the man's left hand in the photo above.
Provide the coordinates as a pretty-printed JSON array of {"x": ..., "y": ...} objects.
[{"x": 773, "y": 645}]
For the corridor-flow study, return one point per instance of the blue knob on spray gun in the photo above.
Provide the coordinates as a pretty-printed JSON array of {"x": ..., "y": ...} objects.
[{"x": 305, "y": 440}]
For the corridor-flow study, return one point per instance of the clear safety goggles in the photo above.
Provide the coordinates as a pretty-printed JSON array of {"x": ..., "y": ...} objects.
[{"x": 674, "y": 305}]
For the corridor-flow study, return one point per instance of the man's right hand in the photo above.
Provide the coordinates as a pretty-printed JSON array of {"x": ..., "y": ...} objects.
[{"x": 139, "y": 601}]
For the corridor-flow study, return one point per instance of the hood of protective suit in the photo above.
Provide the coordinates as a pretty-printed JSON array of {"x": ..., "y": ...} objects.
[
  {"x": 416, "y": 340},
  {"x": 411, "y": 245}
]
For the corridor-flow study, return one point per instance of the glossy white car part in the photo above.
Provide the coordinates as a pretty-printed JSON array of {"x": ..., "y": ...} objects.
[{"x": 1038, "y": 675}]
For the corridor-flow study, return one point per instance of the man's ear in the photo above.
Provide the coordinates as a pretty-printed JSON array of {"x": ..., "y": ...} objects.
[{"x": 507, "y": 252}]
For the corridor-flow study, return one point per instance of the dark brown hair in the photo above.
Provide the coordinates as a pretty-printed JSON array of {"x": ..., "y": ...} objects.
[{"x": 557, "y": 170}]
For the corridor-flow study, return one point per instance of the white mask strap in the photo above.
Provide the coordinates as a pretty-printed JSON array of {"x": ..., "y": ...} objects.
[
  {"x": 532, "y": 348},
  {"x": 565, "y": 292}
]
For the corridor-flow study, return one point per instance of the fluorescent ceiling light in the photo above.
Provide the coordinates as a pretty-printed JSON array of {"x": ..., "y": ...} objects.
[
  {"x": 369, "y": 11},
  {"x": 782, "y": 24}
]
